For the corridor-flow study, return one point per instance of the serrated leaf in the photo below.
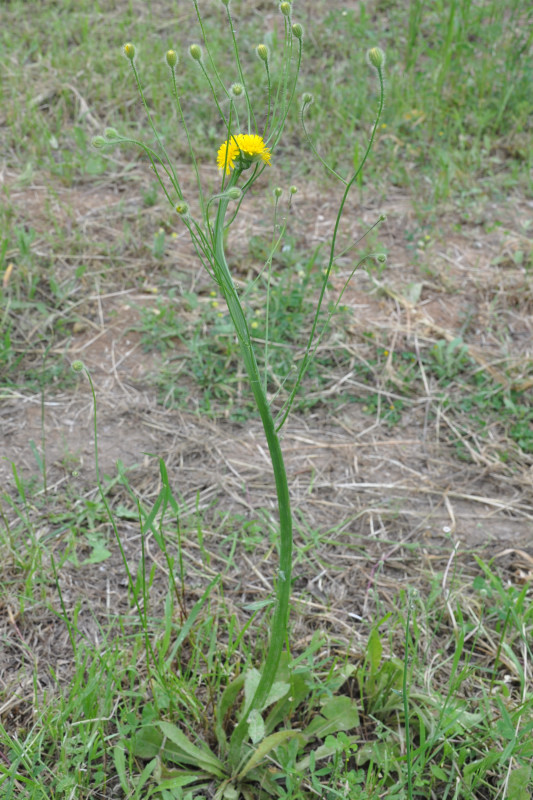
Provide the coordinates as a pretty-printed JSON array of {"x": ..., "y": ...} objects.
[{"x": 256, "y": 726}]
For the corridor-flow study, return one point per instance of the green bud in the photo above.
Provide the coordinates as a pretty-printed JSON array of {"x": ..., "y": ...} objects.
[
  {"x": 78, "y": 366},
  {"x": 381, "y": 258},
  {"x": 237, "y": 89},
  {"x": 98, "y": 142},
  {"x": 111, "y": 133},
  {"x": 262, "y": 52},
  {"x": 307, "y": 99},
  {"x": 278, "y": 191},
  {"x": 297, "y": 30},
  {"x": 225, "y": 3},
  {"x": 293, "y": 189},
  {"x": 182, "y": 208},
  {"x": 285, "y": 9},
  {"x": 171, "y": 58},
  {"x": 196, "y": 52},
  {"x": 129, "y": 51},
  {"x": 234, "y": 193},
  {"x": 376, "y": 57},
  {"x": 382, "y": 218}
]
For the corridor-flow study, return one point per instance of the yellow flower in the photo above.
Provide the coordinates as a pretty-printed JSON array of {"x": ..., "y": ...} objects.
[{"x": 249, "y": 146}]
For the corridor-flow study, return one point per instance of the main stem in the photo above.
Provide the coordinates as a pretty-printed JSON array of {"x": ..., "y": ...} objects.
[{"x": 283, "y": 589}]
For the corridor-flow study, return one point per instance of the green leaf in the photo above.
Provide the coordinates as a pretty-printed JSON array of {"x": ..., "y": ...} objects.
[
  {"x": 300, "y": 688},
  {"x": 278, "y": 690},
  {"x": 251, "y": 682},
  {"x": 438, "y": 772},
  {"x": 226, "y": 702},
  {"x": 331, "y": 746},
  {"x": 191, "y": 754},
  {"x": 120, "y": 766},
  {"x": 145, "y": 775},
  {"x": 519, "y": 784},
  {"x": 338, "y": 714},
  {"x": 256, "y": 726},
  {"x": 167, "y": 741},
  {"x": 374, "y": 649},
  {"x": 189, "y": 622},
  {"x": 268, "y": 744}
]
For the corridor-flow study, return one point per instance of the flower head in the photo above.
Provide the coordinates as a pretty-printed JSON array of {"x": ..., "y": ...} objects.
[{"x": 244, "y": 146}]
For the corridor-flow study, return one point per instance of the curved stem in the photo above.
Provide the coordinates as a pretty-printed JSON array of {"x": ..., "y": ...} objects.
[{"x": 283, "y": 588}]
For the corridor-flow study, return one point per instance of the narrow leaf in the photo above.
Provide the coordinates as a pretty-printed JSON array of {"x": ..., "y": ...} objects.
[{"x": 268, "y": 744}]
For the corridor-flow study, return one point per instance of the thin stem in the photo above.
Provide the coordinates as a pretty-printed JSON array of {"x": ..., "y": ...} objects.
[
  {"x": 305, "y": 360},
  {"x": 158, "y": 138},
  {"x": 191, "y": 149},
  {"x": 251, "y": 115}
]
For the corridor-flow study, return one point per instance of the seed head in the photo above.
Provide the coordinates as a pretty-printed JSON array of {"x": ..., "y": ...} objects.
[
  {"x": 78, "y": 366},
  {"x": 129, "y": 51},
  {"x": 262, "y": 52},
  {"x": 196, "y": 52},
  {"x": 236, "y": 89},
  {"x": 234, "y": 193},
  {"x": 376, "y": 57},
  {"x": 285, "y": 9},
  {"x": 297, "y": 30},
  {"x": 171, "y": 58}
]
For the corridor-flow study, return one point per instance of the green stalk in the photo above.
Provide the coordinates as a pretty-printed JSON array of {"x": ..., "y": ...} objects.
[{"x": 283, "y": 589}]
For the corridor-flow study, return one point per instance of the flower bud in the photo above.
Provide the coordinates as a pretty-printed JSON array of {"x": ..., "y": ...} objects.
[
  {"x": 129, "y": 51},
  {"x": 278, "y": 191},
  {"x": 307, "y": 99},
  {"x": 262, "y": 52},
  {"x": 111, "y": 133},
  {"x": 77, "y": 366},
  {"x": 285, "y": 9},
  {"x": 171, "y": 58},
  {"x": 297, "y": 30},
  {"x": 225, "y": 3},
  {"x": 237, "y": 89},
  {"x": 293, "y": 189},
  {"x": 98, "y": 142},
  {"x": 182, "y": 208},
  {"x": 381, "y": 258},
  {"x": 234, "y": 193},
  {"x": 196, "y": 52},
  {"x": 376, "y": 57}
]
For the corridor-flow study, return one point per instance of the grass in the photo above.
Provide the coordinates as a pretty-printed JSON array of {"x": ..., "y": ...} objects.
[
  {"x": 413, "y": 650},
  {"x": 465, "y": 633}
]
